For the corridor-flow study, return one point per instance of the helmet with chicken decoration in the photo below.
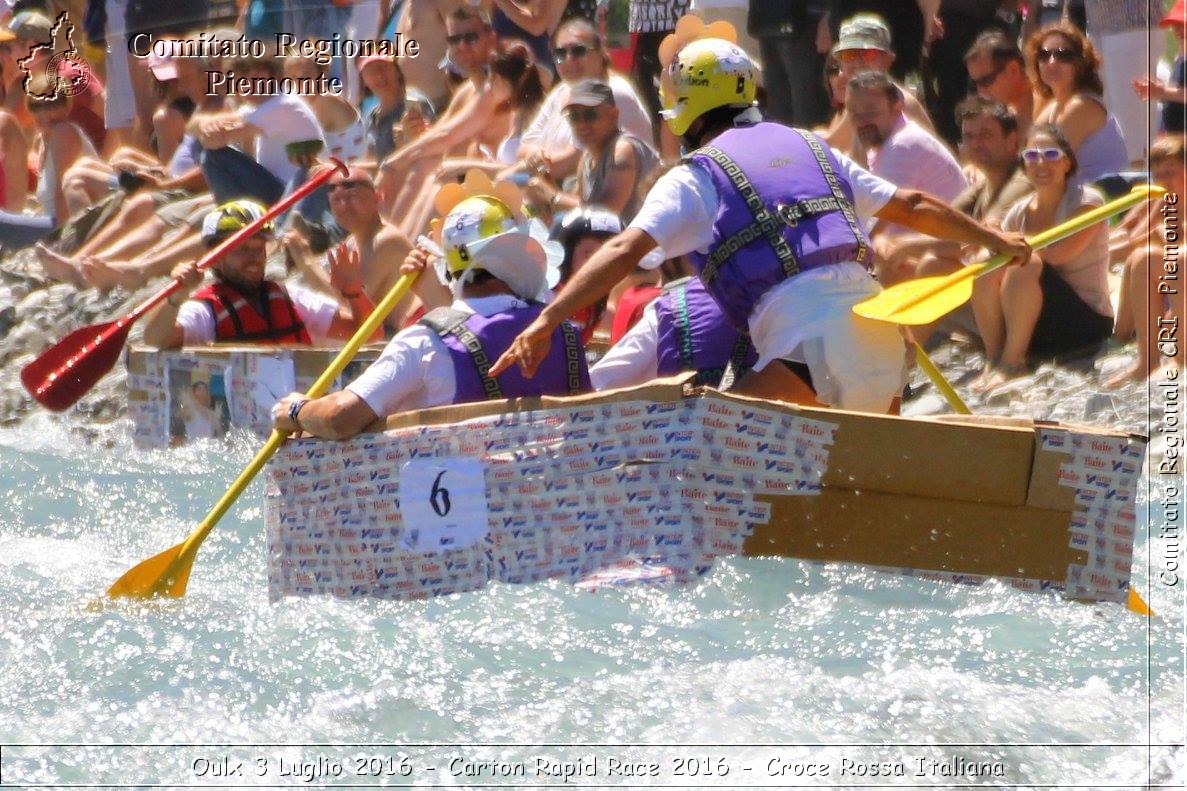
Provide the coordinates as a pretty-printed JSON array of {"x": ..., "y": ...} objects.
[
  {"x": 703, "y": 68},
  {"x": 482, "y": 230}
]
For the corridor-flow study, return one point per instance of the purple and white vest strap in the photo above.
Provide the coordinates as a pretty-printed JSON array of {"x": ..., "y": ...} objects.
[
  {"x": 783, "y": 207},
  {"x": 694, "y": 335},
  {"x": 476, "y": 341}
]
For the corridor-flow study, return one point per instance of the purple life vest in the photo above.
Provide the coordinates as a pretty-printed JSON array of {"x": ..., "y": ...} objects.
[
  {"x": 783, "y": 207},
  {"x": 694, "y": 335},
  {"x": 475, "y": 342}
]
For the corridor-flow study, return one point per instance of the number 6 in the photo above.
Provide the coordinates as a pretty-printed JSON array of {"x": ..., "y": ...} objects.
[{"x": 438, "y": 490}]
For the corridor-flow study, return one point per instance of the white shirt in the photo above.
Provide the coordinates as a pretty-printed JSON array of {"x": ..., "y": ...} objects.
[
  {"x": 550, "y": 129},
  {"x": 316, "y": 311},
  {"x": 634, "y": 359},
  {"x": 281, "y": 119},
  {"x": 415, "y": 370},
  {"x": 679, "y": 212}
]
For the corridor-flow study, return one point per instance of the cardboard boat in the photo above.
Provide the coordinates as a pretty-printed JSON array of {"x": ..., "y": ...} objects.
[
  {"x": 242, "y": 382},
  {"x": 650, "y": 484}
]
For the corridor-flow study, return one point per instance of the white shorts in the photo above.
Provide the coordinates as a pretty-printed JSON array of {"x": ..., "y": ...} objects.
[{"x": 856, "y": 363}]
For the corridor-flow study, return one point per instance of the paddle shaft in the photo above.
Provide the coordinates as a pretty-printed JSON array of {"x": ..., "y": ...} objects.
[
  {"x": 941, "y": 382},
  {"x": 1042, "y": 239},
  {"x": 276, "y": 439}
]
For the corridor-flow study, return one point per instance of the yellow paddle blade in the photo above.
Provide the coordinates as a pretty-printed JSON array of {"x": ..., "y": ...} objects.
[
  {"x": 151, "y": 578},
  {"x": 1135, "y": 603},
  {"x": 166, "y": 574},
  {"x": 922, "y": 301},
  {"x": 925, "y": 300}
]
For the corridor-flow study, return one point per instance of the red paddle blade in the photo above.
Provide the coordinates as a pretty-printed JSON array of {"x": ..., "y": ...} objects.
[{"x": 67, "y": 370}]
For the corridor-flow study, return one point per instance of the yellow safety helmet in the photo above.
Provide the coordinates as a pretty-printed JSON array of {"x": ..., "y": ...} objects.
[
  {"x": 706, "y": 74},
  {"x": 230, "y": 217},
  {"x": 472, "y": 219}
]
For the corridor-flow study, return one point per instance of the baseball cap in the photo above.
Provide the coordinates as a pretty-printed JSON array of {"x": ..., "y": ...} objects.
[
  {"x": 863, "y": 31},
  {"x": 590, "y": 93},
  {"x": 31, "y": 26}
]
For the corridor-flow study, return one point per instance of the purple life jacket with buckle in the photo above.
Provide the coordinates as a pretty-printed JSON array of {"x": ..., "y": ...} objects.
[
  {"x": 694, "y": 335},
  {"x": 783, "y": 207},
  {"x": 476, "y": 341}
]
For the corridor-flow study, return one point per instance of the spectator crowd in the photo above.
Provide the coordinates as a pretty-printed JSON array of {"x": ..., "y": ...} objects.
[{"x": 1019, "y": 114}]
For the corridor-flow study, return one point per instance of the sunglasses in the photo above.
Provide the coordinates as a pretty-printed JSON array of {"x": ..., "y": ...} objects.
[
  {"x": 561, "y": 54},
  {"x": 457, "y": 38},
  {"x": 1061, "y": 54},
  {"x": 985, "y": 80},
  {"x": 1033, "y": 155},
  {"x": 582, "y": 115},
  {"x": 348, "y": 184}
]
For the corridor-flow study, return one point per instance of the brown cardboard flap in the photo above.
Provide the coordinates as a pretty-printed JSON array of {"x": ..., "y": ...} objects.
[
  {"x": 918, "y": 533},
  {"x": 973, "y": 462}
]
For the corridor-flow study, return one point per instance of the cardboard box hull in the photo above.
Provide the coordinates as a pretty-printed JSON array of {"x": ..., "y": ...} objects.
[{"x": 962, "y": 499}]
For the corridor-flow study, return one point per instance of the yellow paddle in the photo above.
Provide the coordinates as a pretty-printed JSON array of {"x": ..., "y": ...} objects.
[
  {"x": 166, "y": 574},
  {"x": 925, "y": 300},
  {"x": 941, "y": 382}
]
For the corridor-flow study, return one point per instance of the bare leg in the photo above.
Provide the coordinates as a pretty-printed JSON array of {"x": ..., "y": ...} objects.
[
  {"x": 987, "y": 309},
  {"x": 1139, "y": 291},
  {"x": 185, "y": 245},
  {"x": 929, "y": 266},
  {"x": 14, "y": 153},
  {"x": 136, "y": 210},
  {"x": 422, "y": 211},
  {"x": 137, "y": 241},
  {"x": 418, "y": 175},
  {"x": 1022, "y": 302}
]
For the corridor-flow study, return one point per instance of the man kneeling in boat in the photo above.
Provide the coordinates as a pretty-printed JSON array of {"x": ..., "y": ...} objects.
[
  {"x": 683, "y": 329},
  {"x": 498, "y": 272},
  {"x": 241, "y": 306},
  {"x": 774, "y": 221}
]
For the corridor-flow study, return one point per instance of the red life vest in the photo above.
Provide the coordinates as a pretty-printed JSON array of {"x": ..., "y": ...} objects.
[{"x": 237, "y": 319}]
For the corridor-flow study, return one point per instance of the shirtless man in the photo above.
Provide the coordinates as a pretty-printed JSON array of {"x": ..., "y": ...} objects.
[
  {"x": 354, "y": 203},
  {"x": 424, "y": 22}
]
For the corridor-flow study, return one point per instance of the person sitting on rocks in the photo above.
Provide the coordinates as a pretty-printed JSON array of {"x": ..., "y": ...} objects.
[
  {"x": 1056, "y": 304},
  {"x": 242, "y": 306},
  {"x": 1143, "y": 289},
  {"x": 498, "y": 269}
]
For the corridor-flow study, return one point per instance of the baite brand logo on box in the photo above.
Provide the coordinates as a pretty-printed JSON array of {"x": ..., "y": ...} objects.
[{"x": 55, "y": 68}]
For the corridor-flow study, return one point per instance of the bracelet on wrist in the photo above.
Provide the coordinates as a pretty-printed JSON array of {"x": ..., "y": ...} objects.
[{"x": 295, "y": 411}]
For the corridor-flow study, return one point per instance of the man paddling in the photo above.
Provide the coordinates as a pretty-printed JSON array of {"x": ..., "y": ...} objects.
[
  {"x": 241, "y": 306},
  {"x": 773, "y": 221},
  {"x": 498, "y": 272}
]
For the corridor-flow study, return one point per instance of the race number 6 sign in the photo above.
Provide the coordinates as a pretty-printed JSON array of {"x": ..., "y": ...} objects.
[{"x": 443, "y": 502}]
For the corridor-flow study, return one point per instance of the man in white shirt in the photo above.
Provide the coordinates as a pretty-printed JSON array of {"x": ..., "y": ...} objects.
[
  {"x": 795, "y": 311},
  {"x": 267, "y": 144},
  {"x": 498, "y": 269}
]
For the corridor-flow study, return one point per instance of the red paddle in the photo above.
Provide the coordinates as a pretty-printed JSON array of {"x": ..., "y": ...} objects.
[{"x": 67, "y": 370}]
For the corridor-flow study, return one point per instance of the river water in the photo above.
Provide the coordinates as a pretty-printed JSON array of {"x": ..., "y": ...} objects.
[{"x": 766, "y": 672}]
